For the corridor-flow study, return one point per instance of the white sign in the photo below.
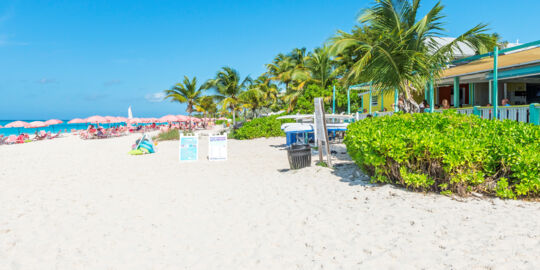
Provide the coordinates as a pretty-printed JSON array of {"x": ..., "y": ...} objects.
[
  {"x": 217, "y": 147},
  {"x": 189, "y": 148},
  {"x": 320, "y": 125}
]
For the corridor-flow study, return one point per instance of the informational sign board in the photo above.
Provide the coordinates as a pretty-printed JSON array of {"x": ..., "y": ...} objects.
[
  {"x": 321, "y": 132},
  {"x": 189, "y": 148},
  {"x": 320, "y": 127},
  {"x": 217, "y": 147}
]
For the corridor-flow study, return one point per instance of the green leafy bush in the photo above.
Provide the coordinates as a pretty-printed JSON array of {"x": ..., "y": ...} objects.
[
  {"x": 260, "y": 127},
  {"x": 449, "y": 153},
  {"x": 221, "y": 122},
  {"x": 172, "y": 134}
]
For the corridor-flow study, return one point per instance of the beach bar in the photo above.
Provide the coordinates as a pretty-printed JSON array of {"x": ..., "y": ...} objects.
[{"x": 503, "y": 84}]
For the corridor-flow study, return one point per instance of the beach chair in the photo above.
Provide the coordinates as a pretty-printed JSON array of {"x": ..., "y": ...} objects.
[
  {"x": 11, "y": 139},
  {"x": 50, "y": 136}
]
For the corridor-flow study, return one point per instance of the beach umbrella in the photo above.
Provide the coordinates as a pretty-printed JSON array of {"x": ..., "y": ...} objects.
[
  {"x": 17, "y": 124},
  {"x": 0, "y": 126},
  {"x": 77, "y": 121},
  {"x": 182, "y": 118},
  {"x": 53, "y": 122},
  {"x": 135, "y": 120},
  {"x": 121, "y": 119},
  {"x": 97, "y": 119},
  {"x": 36, "y": 124},
  {"x": 111, "y": 119},
  {"x": 168, "y": 118}
]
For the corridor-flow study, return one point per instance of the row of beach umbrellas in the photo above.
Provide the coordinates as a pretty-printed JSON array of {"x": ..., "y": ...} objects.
[{"x": 96, "y": 119}]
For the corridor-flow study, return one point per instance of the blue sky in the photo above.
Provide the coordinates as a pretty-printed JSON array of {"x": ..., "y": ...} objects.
[{"x": 66, "y": 59}]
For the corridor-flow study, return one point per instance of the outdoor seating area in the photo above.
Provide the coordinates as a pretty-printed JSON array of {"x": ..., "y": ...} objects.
[{"x": 503, "y": 84}]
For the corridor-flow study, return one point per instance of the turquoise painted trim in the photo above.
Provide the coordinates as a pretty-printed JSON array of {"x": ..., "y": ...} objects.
[
  {"x": 516, "y": 72},
  {"x": 370, "y": 99},
  {"x": 495, "y": 83},
  {"x": 349, "y": 100},
  {"x": 431, "y": 96},
  {"x": 334, "y": 100},
  {"x": 456, "y": 92},
  {"x": 382, "y": 101},
  {"x": 396, "y": 94},
  {"x": 490, "y": 54},
  {"x": 471, "y": 94},
  {"x": 534, "y": 113},
  {"x": 476, "y": 111}
]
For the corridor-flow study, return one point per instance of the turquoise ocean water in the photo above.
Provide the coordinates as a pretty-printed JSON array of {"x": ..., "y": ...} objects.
[{"x": 53, "y": 129}]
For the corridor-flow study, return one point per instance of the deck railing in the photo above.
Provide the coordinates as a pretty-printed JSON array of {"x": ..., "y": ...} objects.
[{"x": 526, "y": 113}]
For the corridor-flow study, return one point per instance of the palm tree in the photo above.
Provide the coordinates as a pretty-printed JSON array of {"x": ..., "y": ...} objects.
[
  {"x": 186, "y": 92},
  {"x": 321, "y": 67},
  {"x": 229, "y": 85},
  {"x": 207, "y": 106},
  {"x": 402, "y": 52}
]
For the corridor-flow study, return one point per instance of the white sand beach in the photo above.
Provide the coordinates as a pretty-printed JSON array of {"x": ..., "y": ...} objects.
[{"x": 74, "y": 204}]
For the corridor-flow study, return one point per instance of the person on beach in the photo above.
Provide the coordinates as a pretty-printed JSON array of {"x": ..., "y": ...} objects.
[{"x": 445, "y": 104}]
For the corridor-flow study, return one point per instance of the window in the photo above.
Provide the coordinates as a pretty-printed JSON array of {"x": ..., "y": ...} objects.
[{"x": 374, "y": 100}]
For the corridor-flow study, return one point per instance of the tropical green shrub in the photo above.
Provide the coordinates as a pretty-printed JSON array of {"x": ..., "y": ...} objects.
[
  {"x": 449, "y": 153},
  {"x": 260, "y": 127},
  {"x": 304, "y": 104},
  {"x": 172, "y": 134},
  {"x": 221, "y": 122}
]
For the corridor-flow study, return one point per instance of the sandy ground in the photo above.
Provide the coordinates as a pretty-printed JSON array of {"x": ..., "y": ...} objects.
[{"x": 73, "y": 204}]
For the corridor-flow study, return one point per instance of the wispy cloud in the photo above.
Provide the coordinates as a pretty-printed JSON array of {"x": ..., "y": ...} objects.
[
  {"x": 46, "y": 81},
  {"x": 4, "y": 39},
  {"x": 155, "y": 97},
  {"x": 112, "y": 82}
]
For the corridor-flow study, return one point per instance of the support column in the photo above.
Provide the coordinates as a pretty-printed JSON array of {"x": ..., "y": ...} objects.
[
  {"x": 349, "y": 100},
  {"x": 362, "y": 103},
  {"x": 382, "y": 100},
  {"x": 471, "y": 94},
  {"x": 495, "y": 83},
  {"x": 334, "y": 100},
  {"x": 456, "y": 92},
  {"x": 396, "y": 95},
  {"x": 490, "y": 92},
  {"x": 505, "y": 90},
  {"x": 426, "y": 89},
  {"x": 431, "y": 95},
  {"x": 370, "y": 101}
]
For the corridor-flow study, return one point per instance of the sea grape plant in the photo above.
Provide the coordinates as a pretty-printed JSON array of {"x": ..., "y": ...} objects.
[{"x": 449, "y": 153}]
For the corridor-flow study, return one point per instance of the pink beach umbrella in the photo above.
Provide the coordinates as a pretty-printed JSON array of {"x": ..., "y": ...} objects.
[
  {"x": 121, "y": 119},
  {"x": 77, "y": 121},
  {"x": 53, "y": 122},
  {"x": 111, "y": 119},
  {"x": 182, "y": 118},
  {"x": 97, "y": 119},
  {"x": 17, "y": 124},
  {"x": 1, "y": 126},
  {"x": 36, "y": 124},
  {"x": 135, "y": 120},
  {"x": 168, "y": 118}
]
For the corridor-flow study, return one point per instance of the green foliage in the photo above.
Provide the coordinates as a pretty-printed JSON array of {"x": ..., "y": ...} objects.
[
  {"x": 172, "y": 134},
  {"x": 304, "y": 104},
  {"x": 220, "y": 122},
  {"x": 449, "y": 153},
  {"x": 260, "y": 127}
]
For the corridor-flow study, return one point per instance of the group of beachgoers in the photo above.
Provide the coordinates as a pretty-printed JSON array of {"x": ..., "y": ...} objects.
[{"x": 25, "y": 137}]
